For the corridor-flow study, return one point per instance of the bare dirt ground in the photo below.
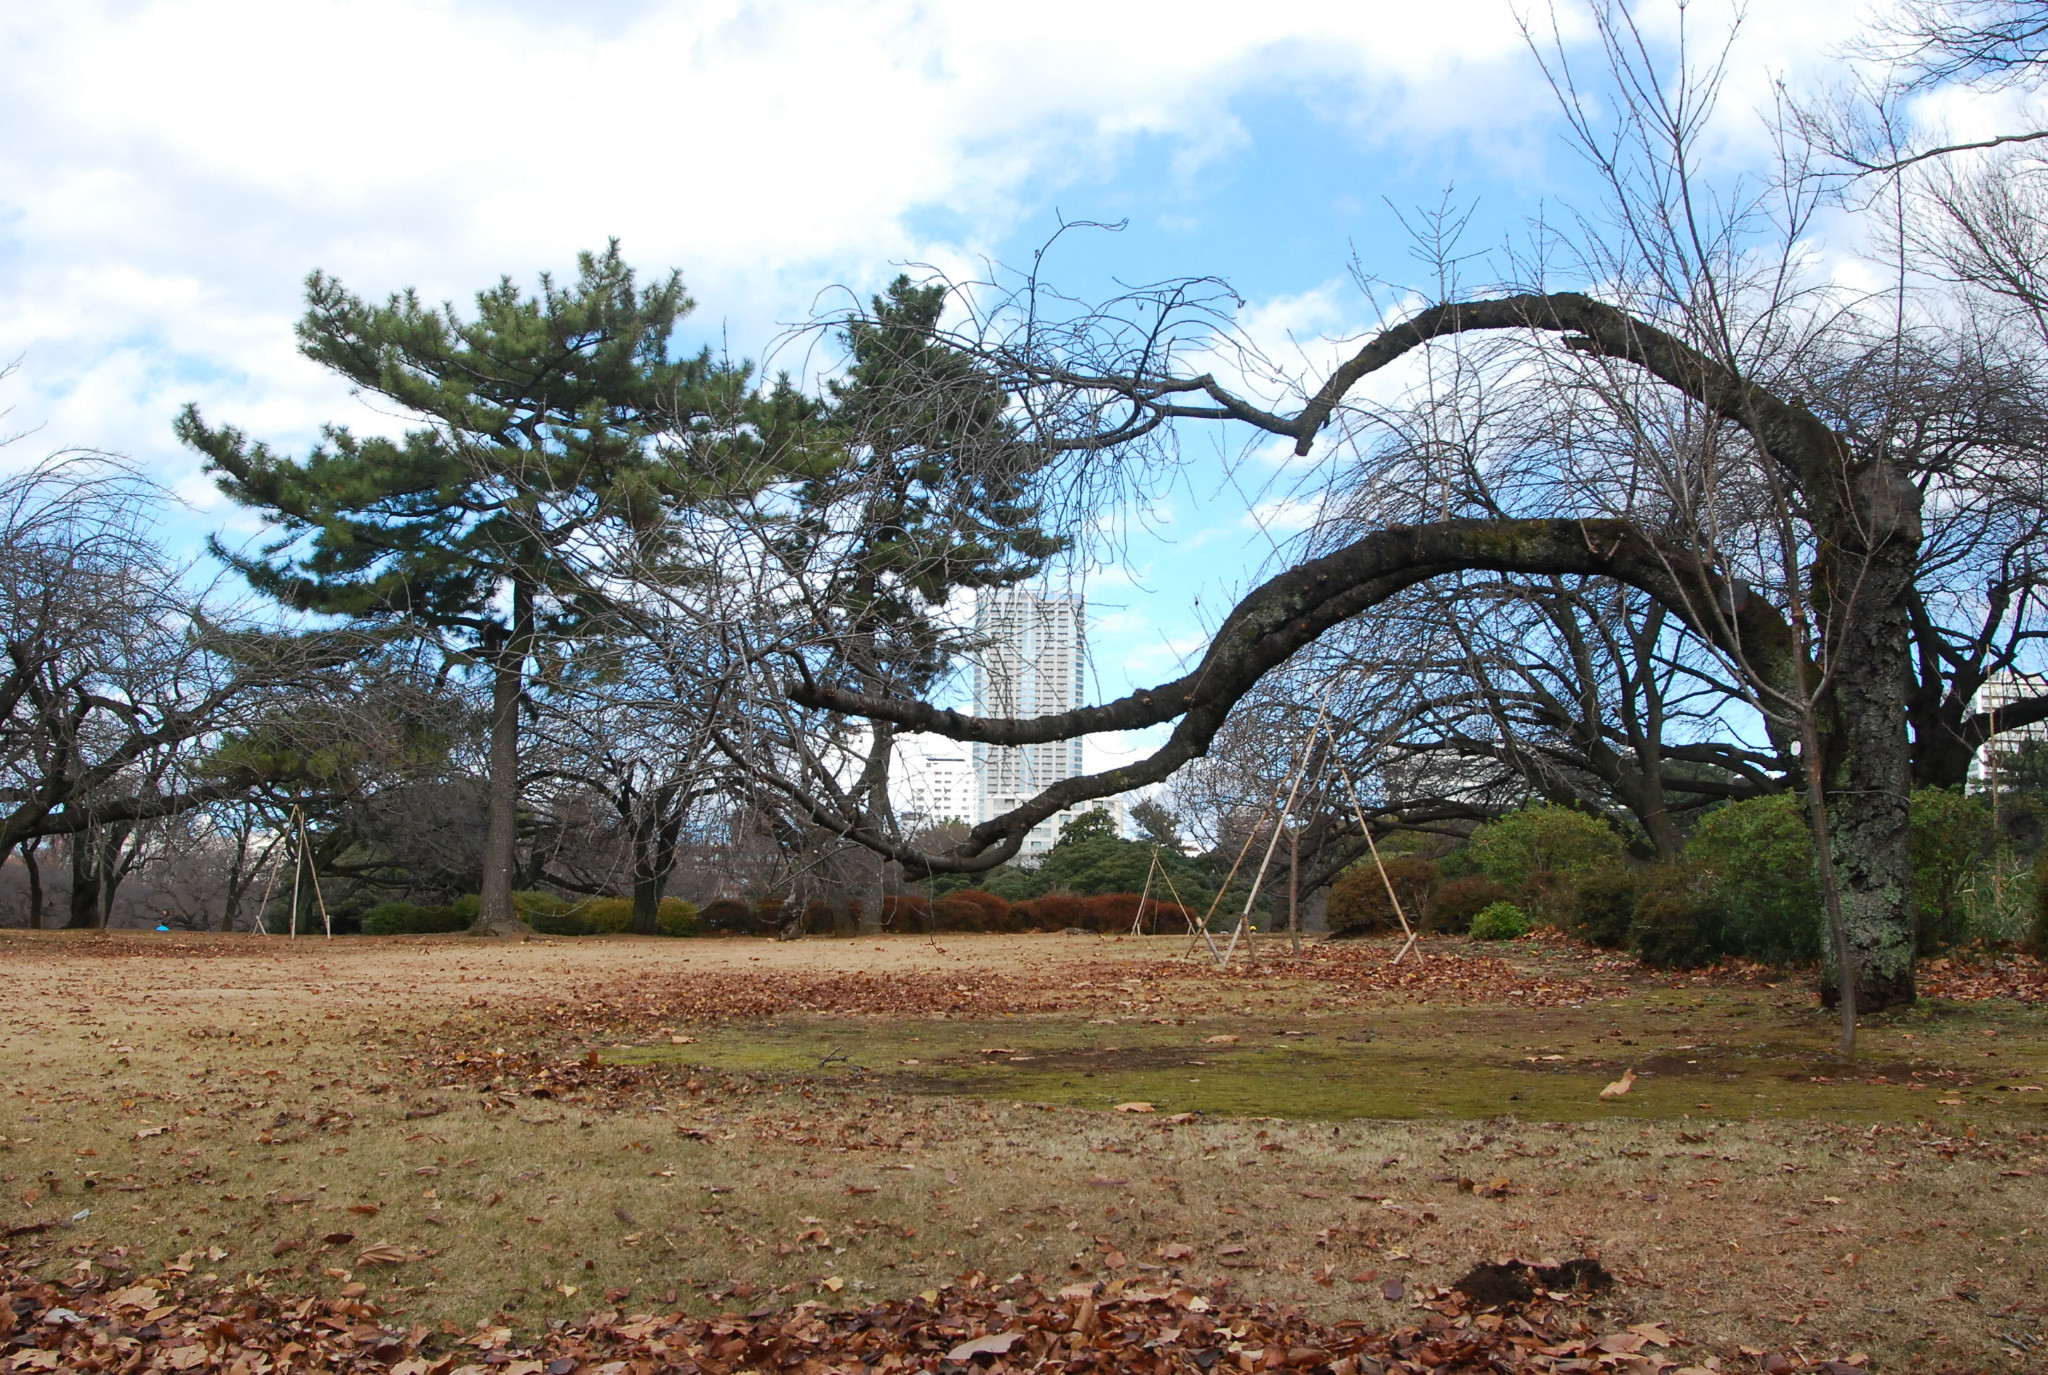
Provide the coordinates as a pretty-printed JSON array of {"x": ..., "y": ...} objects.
[{"x": 479, "y": 1134}]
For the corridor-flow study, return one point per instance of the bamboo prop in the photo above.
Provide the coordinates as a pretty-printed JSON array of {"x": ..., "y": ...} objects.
[
  {"x": 277, "y": 849},
  {"x": 1217, "y": 901},
  {"x": 313, "y": 873},
  {"x": 298, "y": 863},
  {"x": 1138, "y": 921},
  {"x": 1244, "y": 919},
  {"x": 1189, "y": 911},
  {"x": 1359, "y": 807}
]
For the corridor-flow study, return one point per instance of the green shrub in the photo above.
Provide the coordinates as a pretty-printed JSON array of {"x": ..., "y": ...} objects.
[
  {"x": 1548, "y": 896},
  {"x": 1514, "y": 848},
  {"x": 552, "y": 916},
  {"x": 1358, "y": 902},
  {"x": 606, "y": 916},
  {"x": 1604, "y": 908},
  {"x": 1500, "y": 921},
  {"x": 530, "y": 903},
  {"x": 2037, "y": 933},
  {"x": 1756, "y": 859},
  {"x": 675, "y": 917},
  {"x": 557, "y": 922},
  {"x": 410, "y": 919},
  {"x": 1951, "y": 834},
  {"x": 1452, "y": 907},
  {"x": 1679, "y": 922}
]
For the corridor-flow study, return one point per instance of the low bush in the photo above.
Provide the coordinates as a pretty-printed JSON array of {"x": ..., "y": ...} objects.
[
  {"x": 1951, "y": 839},
  {"x": 1679, "y": 922},
  {"x": 906, "y": 912},
  {"x": 727, "y": 917},
  {"x": 1112, "y": 913},
  {"x": 1570, "y": 844},
  {"x": 1755, "y": 859},
  {"x": 958, "y": 912},
  {"x": 1452, "y": 907},
  {"x": 1359, "y": 905},
  {"x": 2037, "y": 933},
  {"x": 675, "y": 917},
  {"x": 556, "y": 921},
  {"x": 1053, "y": 912},
  {"x": 410, "y": 919},
  {"x": 603, "y": 916},
  {"x": 1500, "y": 921},
  {"x": 976, "y": 909},
  {"x": 1603, "y": 909}
]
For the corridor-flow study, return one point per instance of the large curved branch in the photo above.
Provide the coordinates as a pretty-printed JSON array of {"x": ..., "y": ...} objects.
[
  {"x": 1288, "y": 613},
  {"x": 1788, "y": 431},
  {"x": 1988, "y": 725},
  {"x": 1292, "y": 609}
]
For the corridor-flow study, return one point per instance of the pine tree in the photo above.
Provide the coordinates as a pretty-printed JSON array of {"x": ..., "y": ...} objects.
[{"x": 546, "y": 422}]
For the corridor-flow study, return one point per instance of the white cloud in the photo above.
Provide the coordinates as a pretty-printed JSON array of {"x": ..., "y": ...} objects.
[{"x": 174, "y": 167}]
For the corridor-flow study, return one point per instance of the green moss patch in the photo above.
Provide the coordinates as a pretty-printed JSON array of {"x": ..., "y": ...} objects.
[{"x": 1715, "y": 1053}]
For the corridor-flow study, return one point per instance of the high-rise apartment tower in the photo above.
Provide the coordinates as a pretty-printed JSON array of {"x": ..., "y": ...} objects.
[{"x": 1032, "y": 665}]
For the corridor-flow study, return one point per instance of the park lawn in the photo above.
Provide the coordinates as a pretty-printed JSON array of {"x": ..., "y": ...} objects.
[{"x": 539, "y": 1130}]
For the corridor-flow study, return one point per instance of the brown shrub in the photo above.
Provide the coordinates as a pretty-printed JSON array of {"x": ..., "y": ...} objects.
[
  {"x": 769, "y": 913},
  {"x": 906, "y": 912},
  {"x": 981, "y": 910},
  {"x": 726, "y": 916},
  {"x": 1114, "y": 913},
  {"x": 1548, "y": 897},
  {"x": 1359, "y": 905},
  {"x": 1054, "y": 912}
]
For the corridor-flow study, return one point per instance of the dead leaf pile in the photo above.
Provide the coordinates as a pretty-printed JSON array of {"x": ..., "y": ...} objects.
[
  {"x": 2019, "y": 977},
  {"x": 1350, "y": 974},
  {"x": 166, "y": 1324}
]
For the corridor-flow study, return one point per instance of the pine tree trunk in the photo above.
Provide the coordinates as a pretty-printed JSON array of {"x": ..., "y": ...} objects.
[{"x": 495, "y": 916}]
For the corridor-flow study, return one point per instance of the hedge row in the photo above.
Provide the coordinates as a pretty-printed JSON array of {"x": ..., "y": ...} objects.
[
  {"x": 975, "y": 910},
  {"x": 972, "y": 910},
  {"x": 544, "y": 912}
]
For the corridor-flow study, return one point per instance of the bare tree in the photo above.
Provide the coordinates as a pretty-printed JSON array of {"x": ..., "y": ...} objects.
[{"x": 1784, "y": 543}]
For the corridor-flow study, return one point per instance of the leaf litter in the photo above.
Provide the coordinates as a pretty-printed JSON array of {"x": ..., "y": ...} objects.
[{"x": 168, "y": 1321}]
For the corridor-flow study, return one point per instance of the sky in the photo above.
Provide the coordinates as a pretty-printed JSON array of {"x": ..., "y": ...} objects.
[{"x": 170, "y": 171}]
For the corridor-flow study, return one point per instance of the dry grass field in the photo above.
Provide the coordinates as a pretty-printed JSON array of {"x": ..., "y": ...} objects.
[{"x": 468, "y": 1133}]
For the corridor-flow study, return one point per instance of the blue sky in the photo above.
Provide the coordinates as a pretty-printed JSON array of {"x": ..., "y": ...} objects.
[{"x": 171, "y": 169}]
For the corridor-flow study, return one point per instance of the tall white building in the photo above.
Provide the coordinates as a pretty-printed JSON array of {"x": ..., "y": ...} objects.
[
  {"x": 935, "y": 781},
  {"x": 1033, "y": 664},
  {"x": 2001, "y": 690}
]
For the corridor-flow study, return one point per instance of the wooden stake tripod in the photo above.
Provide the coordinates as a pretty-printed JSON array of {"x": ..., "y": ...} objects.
[
  {"x": 1286, "y": 812},
  {"x": 1138, "y": 921},
  {"x": 1244, "y": 920},
  {"x": 295, "y": 841}
]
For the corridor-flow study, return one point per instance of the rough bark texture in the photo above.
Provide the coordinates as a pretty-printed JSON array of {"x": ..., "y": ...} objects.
[
  {"x": 654, "y": 858},
  {"x": 495, "y": 916},
  {"x": 85, "y": 882},
  {"x": 35, "y": 885},
  {"x": 1870, "y": 550}
]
